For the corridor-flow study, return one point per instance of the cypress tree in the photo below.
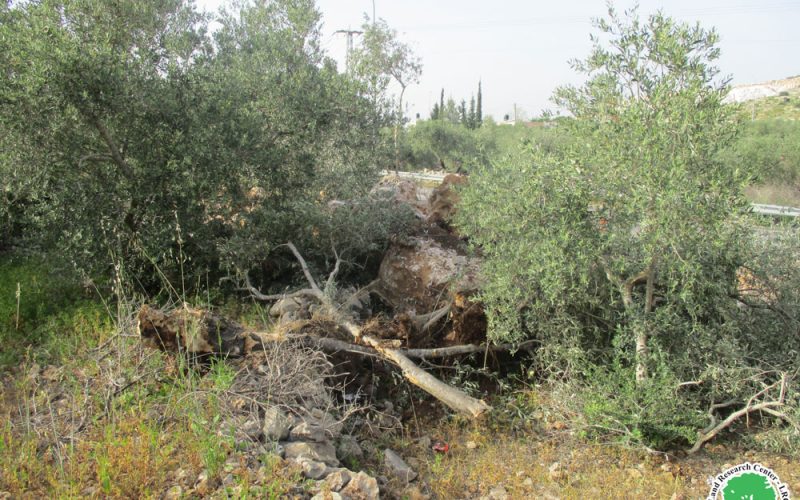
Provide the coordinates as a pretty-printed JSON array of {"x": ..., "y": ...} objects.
[
  {"x": 441, "y": 104},
  {"x": 480, "y": 105},
  {"x": 472, "y": 118}
]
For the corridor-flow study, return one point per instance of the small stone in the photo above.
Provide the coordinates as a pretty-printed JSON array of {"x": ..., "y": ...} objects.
[
  {"x": 284, "y": 307},
  {"x": 397, "y": 467},
  {"x": 349, "y": 449},
  {"x": 528, "y": 483},
  {"x": 312, "y": 469},
  {"x": 276, "y": 424},
  {"x": 182, "y": 476},
  {"x": 320, "y": 452},
  {"x": 471, "y": 445},
  {"x": 306, "y": 431},
  {"x": 252, "y": 430},
  {"x": 555, "y": 471},
  {"x": 202, "y": 486},
  {"x": 362, "y": 486},
  {"x": 328, "y": 423},
  {"x": 424, "y": 442},
  {"x": 327, "y": 495},
  {"x": 338, "y": 479},
  {"x": 228, "y": 480},
  {"x": 498, "y": 493}
]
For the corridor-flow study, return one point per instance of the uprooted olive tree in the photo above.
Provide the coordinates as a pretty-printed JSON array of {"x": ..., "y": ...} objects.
[{"x": 624, "y": 254}]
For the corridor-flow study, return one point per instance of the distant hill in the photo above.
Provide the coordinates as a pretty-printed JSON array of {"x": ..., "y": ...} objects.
[
  {"x": 752, "y": 91},
  {"x": 776, "y": 99}
]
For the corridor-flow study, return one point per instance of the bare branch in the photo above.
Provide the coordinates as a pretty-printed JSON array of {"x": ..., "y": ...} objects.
[
  {"x": 256, "y": 293},
  {"x": 335, "y": 271},
  {"x": 705, "y": 437},
  {"x": 306, "y": 272}
]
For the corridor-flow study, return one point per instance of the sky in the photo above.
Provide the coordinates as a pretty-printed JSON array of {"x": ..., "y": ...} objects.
[{"x": 520, "y": 49}]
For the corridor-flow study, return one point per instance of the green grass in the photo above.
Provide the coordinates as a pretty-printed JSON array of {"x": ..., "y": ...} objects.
[
  {"x": 44, "y": 315},
  {"x": 783, "y": 107}
]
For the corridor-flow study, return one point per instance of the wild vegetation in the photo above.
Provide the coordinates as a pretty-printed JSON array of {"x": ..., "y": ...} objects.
[{"x": 629, "y": 310}]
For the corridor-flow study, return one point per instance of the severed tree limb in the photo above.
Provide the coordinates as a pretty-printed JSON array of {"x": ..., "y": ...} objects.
[
  {"x": 704, "y": 438},
  {"x": 454, "y": 398},
  {"x": 765, "y": 406}
]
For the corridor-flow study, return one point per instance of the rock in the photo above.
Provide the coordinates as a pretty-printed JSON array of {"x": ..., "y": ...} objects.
[
  {"x": 349, "y": 449},
  {"x": 528, "y": 483},
  {"x": 361, "y": 487},
  {"x": 471, "y": 445},
  {"x": 424, "y": 442},
  {"x": 174, "y": 493},
  {"x": 203, "y": 486},
  {"x": 306, "y": 431},
  {"x": 328, "y": 422},
  {"x": 397, "y": 467},
  {"x": 555, "y": 471},
  {"x": 270, "y": 451},
  {"x": 276, "y": 424},
  {"x": 327, "y": 495},
  {"x": 312, "y": 469},
  {"x": 320, "y": 452},
  {"x": 284, "y": 307},
  {"x": 182, "y": 477},
  {"x": 252, "y": 430},
  {"x": 498, "y": 493},
  {"x": 403, "y": 192},
  {"x": 338, "y": 479},
  {"x": 228, "y": 480}
]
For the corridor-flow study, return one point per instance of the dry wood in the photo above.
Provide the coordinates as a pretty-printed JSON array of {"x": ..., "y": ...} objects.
[
  {"x": 765, "y": 406},
  {"x": 452, "y": 397}
]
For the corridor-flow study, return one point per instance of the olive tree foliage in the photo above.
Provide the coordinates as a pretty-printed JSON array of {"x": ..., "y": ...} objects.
[
  {"x": 380, "y": 60},
  {"x": 153, "y": 142},
  {"x": 620, "y": 253}
]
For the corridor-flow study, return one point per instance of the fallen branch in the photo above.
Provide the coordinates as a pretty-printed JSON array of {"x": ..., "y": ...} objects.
[
  {"x": 704, "y": 438},
  {"x": 765, "y": 406}
]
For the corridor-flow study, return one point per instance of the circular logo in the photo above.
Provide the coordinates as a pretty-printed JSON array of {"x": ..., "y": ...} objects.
[{"x": 747, "y": 481}]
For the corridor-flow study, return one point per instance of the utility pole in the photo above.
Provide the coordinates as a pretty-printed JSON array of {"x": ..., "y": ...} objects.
[
  {"x": 373, "y": 12},
  {"x": 349, "y": 34}
]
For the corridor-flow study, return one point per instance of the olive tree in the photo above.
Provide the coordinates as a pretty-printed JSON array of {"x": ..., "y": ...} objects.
[
  {"x": 622, "y": 250},
  {"x": 380, "y": 60},
  {"x": 160, "y": 144}
]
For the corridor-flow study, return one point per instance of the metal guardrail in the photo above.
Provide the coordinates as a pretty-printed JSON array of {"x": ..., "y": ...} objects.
[
  {"x": 776, "y": 210},
  {"x": 758, "y": 208}
]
